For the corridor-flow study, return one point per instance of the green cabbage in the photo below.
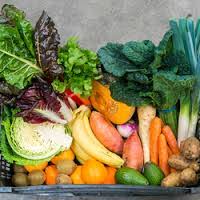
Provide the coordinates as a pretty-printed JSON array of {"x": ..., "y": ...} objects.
[{"x": 26, "y": 143}]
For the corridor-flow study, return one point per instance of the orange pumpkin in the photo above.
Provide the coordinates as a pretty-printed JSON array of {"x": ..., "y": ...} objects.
[{"x": 117, "y": 112}]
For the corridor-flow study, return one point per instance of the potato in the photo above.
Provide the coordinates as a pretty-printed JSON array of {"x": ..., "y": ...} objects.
[
  {"x": 19, "y": 169},
  {"x": 20, "y": 179},
  {"x": 36, "y": 177},
  {"x": 188, "y": 177},
  {"x": 178, "y": 162},
  {"x": 195, "y": 166},
  {"x": 172, "y": 180},
  {"x": 66, "y": 166},
  {"x": 63, "y": 179},
  {"x": 190, "y": 148}
]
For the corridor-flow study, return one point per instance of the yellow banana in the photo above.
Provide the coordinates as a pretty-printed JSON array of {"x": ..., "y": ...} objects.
[
  {"x": 79, "y": 152},
  {"x": 85, "y": 138}
]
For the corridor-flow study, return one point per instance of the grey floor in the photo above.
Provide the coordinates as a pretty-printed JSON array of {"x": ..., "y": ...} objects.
[{"x": 96, "y": 22}]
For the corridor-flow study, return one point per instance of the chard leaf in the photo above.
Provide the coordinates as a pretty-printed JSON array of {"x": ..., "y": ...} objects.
[
  {"x": 47, "y": 40},
  {"x": 24, "y": 26},
  {"x": 15, "y": 70}
]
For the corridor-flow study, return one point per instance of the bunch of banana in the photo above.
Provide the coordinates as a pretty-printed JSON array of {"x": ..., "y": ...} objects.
[{"x": 85, "y": 145}]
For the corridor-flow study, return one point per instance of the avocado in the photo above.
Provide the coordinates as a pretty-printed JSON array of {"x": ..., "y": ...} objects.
[
  {"x": 129, "y": 176},
  {"x": 153, "y": 173}
]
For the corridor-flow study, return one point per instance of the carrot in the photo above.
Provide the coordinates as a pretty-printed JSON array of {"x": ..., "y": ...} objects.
[
  {"x": 155, "y": 131},
  {"x": 171, "y": 140},
  {"x": 133, "y": 153},
  {"x": 169, "y": 154},
  {"x": 106, "y": 133},
  {"x": 163, "y": 154},
  {"x": 169, "y": 151}
]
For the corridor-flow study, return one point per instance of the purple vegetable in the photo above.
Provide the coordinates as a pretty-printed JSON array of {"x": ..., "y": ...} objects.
[{"x": 125, "y": 130}]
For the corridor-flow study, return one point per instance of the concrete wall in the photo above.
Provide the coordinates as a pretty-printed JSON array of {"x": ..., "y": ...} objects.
[{"x": 99, "y": 21}]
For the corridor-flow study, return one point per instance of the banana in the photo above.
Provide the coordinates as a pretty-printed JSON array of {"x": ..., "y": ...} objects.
[
  {"x": 79, "y": 152},
  {"x": 85, "y": 138}
]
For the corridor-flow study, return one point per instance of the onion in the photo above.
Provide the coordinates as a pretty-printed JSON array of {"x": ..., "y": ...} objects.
[{"x": 125, "y": 130}]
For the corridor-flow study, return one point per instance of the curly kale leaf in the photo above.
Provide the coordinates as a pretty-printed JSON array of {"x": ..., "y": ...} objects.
[
  {"x": 140, "y": 53},
  {"x": 134, "y": 94},
  {"x": 162, "y": 50},
  {"x": 114, "y": 61},
  {"x": 171, "y": 86},
  {"x": 178, "y": 63}
]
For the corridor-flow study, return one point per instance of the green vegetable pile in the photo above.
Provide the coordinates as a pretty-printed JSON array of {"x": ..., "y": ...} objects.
[{"x": 148, "y": 75}]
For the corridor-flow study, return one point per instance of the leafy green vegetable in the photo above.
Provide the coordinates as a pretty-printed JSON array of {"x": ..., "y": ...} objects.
[
  {"x": 24, "y": 26},
  {"x": 31, "y": 144},
  {"x": 139, "y": 53},
  {"x": 133, "y": 93},
  {"x": 186, "y": 39},
  {"x": 17, "y": 64},
  {"x": 162, "y": 50},
  {"x": 80, "y": 68},
  {"x": 5, "y": 149}
]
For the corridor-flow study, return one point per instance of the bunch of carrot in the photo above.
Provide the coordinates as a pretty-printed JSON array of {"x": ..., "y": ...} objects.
[{"x": 162, "y": 144}]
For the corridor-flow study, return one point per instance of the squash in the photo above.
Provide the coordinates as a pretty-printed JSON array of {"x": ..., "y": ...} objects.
[{"x": 117, "y": 112}]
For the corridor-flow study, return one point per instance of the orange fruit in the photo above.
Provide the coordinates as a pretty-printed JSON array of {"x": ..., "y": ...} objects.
[
  {"x": 40, "y": 166},
  {"x": 76, "y": 176},
  {"x": 65, "y": 155},
  {"x": 93, "y": 172},
  {"x": 51, "y": 175},
  {"x": 110, "y": 179}
]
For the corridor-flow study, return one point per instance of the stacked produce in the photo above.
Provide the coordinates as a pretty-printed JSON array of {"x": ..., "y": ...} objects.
[{"x": 124, "y": 115}]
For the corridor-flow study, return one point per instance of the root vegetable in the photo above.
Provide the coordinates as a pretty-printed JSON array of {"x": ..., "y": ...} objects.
[
  {"x": 20, "y": 179},
  {"x": 36, "y": 177},
  {"x": 145, "y": 115},
  {"x": 171, "y": 140},
  {"x": 172, "y": 180},
  {"x": 63, "y": 179},
  {"x": 188, "y": 177},
  {"x": 19, "y": 169},
  {"x": 163, "y": 154},
  {"x": 195, "y": 166},
  {"x": 155, "y": 131},
  {"x": 190, "y": 148},
  {"x": 133, "y": 152},
  {"x": 66, "y": 166},
  {"x": 106, "y": 133},
  {"x": 178, "y": 162}
]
